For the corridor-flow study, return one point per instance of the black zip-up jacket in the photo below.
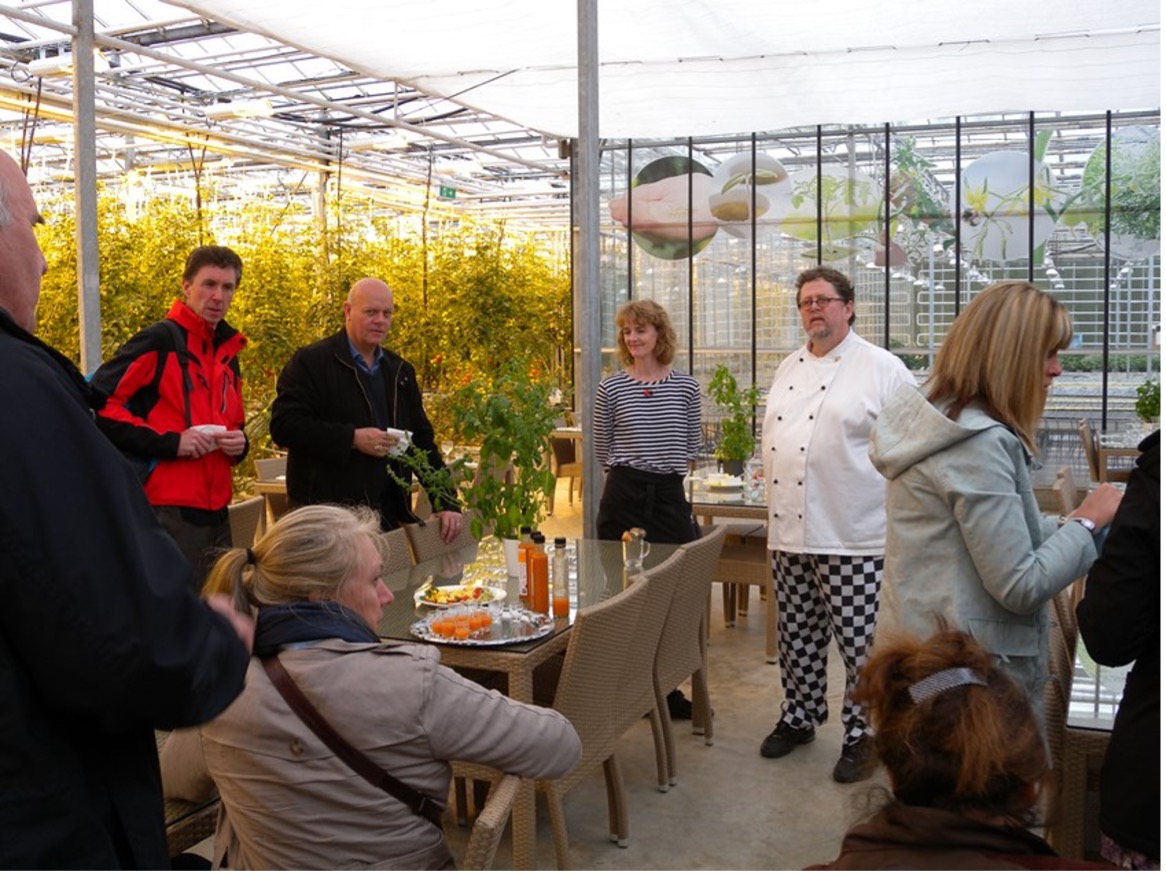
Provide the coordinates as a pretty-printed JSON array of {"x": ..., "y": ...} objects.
[
  {"x": 320, "y": 402},
  {"x": 101, "y": 637}
]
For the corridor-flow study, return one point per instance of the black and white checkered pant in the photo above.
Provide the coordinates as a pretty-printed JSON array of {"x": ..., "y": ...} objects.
[{"x": 820, "y": 595}]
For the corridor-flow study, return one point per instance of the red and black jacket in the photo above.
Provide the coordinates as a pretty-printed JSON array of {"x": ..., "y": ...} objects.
[{"x": 207, "y": 376}]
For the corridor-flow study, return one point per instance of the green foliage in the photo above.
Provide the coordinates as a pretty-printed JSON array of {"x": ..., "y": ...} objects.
[
  {"x": 1149, "y": 400},
  {"x": 468, "y": 296},
  {"x": 736, "y": 441},
  {"x": 510, "y": 414}
]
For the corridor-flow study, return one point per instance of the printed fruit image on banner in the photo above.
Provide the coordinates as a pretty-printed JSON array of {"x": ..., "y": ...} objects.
[
  {"x": 739, "y": 186},
  {"x": 657, "y": 210}
]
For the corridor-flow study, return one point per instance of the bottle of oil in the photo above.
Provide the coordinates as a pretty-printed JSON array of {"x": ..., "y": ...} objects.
[
  {"x": 524, "y": 544},
  {"x": 560, "y": 590},
  {"x": 537, "y": 575}
]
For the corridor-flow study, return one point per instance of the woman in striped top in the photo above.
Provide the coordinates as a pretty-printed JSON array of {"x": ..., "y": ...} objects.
[{"x": 647, "y": 430}]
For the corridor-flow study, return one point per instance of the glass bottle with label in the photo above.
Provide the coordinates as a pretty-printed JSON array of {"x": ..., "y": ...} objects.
[
  {"x": 537, "y": 575},
  {"x": 560, "y": 573},
  {"x": 525, "y": 542}
]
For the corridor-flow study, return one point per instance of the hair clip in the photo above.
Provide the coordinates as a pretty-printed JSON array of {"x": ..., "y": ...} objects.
[{"x": 941, "y": 681}]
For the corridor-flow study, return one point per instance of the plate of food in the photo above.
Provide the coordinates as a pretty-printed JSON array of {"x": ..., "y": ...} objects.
[
  {"x": 457, "y": 596},
  {"x": 494, "y": 627},
  {"x": 723, "y": 481}
]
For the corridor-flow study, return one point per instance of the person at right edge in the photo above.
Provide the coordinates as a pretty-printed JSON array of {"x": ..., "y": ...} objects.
[
  {"x": 102, "y": 639},
  {"x": 1119, "y": 621},
  {"x": 826, "y": 513}
]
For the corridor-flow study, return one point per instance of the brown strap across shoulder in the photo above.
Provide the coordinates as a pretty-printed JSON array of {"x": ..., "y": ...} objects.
[{"x": 358, "y": 761}]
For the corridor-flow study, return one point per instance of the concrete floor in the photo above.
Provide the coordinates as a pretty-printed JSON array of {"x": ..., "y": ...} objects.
[{"x": 731, "y": 809}]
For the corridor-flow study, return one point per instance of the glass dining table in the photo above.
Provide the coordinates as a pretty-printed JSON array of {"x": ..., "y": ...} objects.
[{"x": 596, "y": 573}]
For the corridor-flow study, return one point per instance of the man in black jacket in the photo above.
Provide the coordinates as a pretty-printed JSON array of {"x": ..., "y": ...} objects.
[
  {"x": 335, "y": 401},
  {"x": 101, "y": 639}
]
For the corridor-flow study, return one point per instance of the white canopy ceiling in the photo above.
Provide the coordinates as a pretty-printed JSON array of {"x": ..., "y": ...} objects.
[{"x": 696, "y": 67}]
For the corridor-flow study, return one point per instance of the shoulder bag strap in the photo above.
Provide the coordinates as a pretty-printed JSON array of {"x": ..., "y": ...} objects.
[
  {"x": 358, "y": 761},
  {"x": 178, "y": 337}
]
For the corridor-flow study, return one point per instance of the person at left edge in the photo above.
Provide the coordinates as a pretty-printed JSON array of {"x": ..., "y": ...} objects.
[
  {"x": 334, "y": 400},
  {"x": 101, "y": 637},
  {"x": 190, "y": 485}
]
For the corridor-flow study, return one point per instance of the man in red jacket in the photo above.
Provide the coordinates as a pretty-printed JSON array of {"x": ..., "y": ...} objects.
[{"x": 176, "y": 403}]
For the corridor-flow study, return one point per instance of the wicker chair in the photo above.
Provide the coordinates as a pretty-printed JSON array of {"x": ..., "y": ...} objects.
[
  {"x": 490, "y": 824},
  {"x": 565, "y": 463},
  {"x": 396, "y": 553},
  {"x": 636, "y": 694},
  {"x": 744, "y": 562},
  {"x": 425, "y": 539},
  {"x": 593, "y": 668},
  {"x": 187, "y": 822},
  {"x": 683, "y": 651},
  {"x": 1065, "y": 490},
  {"x": 1089, "y": 442},
  {"x": 246, "y": 518},
  {"x": 1075, "y": 753}
]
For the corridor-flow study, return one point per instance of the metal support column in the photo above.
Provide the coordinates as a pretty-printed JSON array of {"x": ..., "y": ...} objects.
[
  {"x": 586, "y": 272},
  {"x": 85, "y": 160}
]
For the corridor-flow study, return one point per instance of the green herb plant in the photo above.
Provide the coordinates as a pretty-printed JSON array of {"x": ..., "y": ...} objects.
[
  {"x": 1149, "y": 400},
  {"x": 736, "y": 441}
]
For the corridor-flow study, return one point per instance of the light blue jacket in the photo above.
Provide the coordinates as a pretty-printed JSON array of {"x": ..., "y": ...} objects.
[{"x": 965, "y": 537}]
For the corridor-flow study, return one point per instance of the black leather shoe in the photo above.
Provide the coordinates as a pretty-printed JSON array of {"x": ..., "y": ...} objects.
[
  {"x": 857, "y": 762},
  {"x": 679, "y": 707},
  {"x": 783, "y": 739}
]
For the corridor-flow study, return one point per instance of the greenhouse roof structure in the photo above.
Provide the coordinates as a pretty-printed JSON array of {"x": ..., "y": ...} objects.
[{"x": 411, "y": 98}]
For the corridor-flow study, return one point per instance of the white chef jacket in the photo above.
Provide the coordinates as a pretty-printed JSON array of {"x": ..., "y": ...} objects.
[{"x": 823, "y": 494}]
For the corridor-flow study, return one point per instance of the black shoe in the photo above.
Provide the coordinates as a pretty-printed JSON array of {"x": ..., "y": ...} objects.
[
  {"x": 857, "y": 762},
  {"x": 679, "y": 707},
  {"x": 783, "y": 739}
]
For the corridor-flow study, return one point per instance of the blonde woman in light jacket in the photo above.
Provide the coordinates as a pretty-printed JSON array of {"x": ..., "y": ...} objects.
[
  {"x": 965, "y": 537},
  {"x": 288, "y": 802}
]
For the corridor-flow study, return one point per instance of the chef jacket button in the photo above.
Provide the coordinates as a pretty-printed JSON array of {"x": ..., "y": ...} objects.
[
  {"x": 799, "y": 482},
  {"x": 823, "y": 388}
]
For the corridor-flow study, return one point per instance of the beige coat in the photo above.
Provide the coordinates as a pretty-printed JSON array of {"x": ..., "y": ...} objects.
[{"x": 289, "y": 803}]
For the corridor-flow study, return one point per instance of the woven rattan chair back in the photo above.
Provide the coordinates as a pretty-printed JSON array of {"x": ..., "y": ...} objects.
[
  {"x": 636, "y": 695},
  {"x": 683, "y": 645},
  {"x": 1065, "y": 490},
  {"x": 490, "y": 824},
  {"x": 246, "y": 519},
  {"x": 396, "y": 554},
  {"x": 593, "y": 668},
  {"x": 425, "y": 538},
  {"x": 271, "y": 468}
]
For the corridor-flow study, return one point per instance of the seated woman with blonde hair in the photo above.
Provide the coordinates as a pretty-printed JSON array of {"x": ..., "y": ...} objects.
[
  {"x": 289, "y": 801},
  {"x": 965, "y": 757}
]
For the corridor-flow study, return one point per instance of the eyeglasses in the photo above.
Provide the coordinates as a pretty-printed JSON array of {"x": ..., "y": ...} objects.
[{"x": 819, "y": 302}]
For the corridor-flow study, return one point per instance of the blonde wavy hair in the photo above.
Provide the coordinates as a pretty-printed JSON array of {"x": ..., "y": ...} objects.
[
  {"x": 995, "y": 354},
  {"x": 646, "y": 312},
  {"x": 309, "y": 554}
]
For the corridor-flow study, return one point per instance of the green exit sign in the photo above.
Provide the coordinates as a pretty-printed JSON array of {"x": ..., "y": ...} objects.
[{"x": 448, "y": 192}]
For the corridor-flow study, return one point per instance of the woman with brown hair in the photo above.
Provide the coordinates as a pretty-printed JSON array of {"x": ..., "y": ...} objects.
[
  {"x": 647, "y": 430},
  {"x": 965, "y": 537},
  {"x": 965, "y": 758}
]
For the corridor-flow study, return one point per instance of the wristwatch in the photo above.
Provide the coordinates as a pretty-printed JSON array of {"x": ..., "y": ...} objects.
[{"x": 1088, "y": 524}]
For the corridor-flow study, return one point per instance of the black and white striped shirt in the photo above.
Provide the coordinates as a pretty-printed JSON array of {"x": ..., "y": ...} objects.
[{"x": 652, "y": 426}]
